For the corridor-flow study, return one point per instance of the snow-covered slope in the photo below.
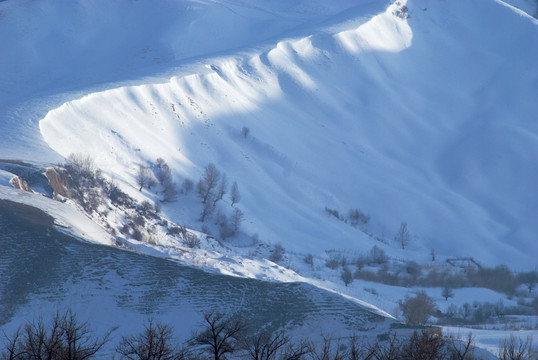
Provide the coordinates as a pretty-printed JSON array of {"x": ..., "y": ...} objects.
[
  {"x": 418, "y": 111},
  {"x": 57, "y": 51},
  {"x": 428, "y": 119},
  {"x": 42, "y": 271}
]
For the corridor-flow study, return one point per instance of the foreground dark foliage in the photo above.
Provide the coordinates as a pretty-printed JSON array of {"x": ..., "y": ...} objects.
[
  {"x": 64, "y": 337},
  {"x": 222, "y": 337}
]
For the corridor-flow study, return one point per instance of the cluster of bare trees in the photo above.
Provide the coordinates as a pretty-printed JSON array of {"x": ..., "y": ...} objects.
[
  {"x": 355, "y": 217},
  {"x": 62, "y": 338},
  {"x": 229, "y": 337},
  {"x": 145, "y": 178},
  {"x": 211, "y": 188}
]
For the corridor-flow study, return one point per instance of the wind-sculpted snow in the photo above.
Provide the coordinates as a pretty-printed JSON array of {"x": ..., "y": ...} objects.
[{"x": 424, "y": 115}]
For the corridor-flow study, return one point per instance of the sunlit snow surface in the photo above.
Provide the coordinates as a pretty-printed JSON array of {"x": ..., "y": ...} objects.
[{"x": 429, "y": 119}]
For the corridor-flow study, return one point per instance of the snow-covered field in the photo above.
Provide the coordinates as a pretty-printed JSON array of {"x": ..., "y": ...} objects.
[{"x": 415, "y": 111}]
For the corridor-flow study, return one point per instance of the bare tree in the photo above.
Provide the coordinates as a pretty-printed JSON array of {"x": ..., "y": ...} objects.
[
  {"x": 164, "y": 174},
  {"x": 296, "y": 351},
  {"x": 326, "y": 351},
  {"x": 81, "y": 164},
  {"x": 169, "y": 192},
  {"x": 144, "y": 177},
  {"x": 235, "y": 196},
  {"x": 187, "y": 186},
  {"x": 387, "y": 351},
  {"x": 402, "y": 236},
  {"x": 219, "y": 337},
  {"x": 221, "y": 189},
  {"x": 515, "y": 348},
  {"x": 346, "y": 276},
  {"x": 277, "y": 253},
  {"x": 64, "y": 338},
  {"x": 425, "y": 345},
  {"x": 76, "y": 342},
  {"x": 237, "y": 217},
  {"x": 447, "y": 293},
  {"x": 461, "y": 349},
  {"x": 207, "y": 209},
  {"x": 418, "y": 309},
  {"x": 264, "y": 345},
  {"x": 208, "y": 183},
  {"x": 13, "y": 347},
  {"x": 154, "y": 343}
]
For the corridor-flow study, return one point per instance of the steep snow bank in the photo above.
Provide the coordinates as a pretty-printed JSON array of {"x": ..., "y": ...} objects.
[{"x": 55, "y": 51}]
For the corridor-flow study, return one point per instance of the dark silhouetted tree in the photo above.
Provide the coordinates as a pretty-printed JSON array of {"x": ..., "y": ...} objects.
[
  {"x": 154, "y": 343},
  {"x": 515, "y": 348},
  {"x": 237, "y": 217},
  {"x": 461, "y": 348},
  {"x": 220, "y": 334},
  {"x": 346, "y": 276},
  {"x": 402, "y": 236},
  {"x": 426, "y": 345},
  {"x": 208, "y": 183},
  {"x": 265, "y": 345},
  {"x": 221, "y": 189},
  {"x": 63, "y": 338},
  {"x": 235, "y": 196},
  {"x": 447, "y": 293}
]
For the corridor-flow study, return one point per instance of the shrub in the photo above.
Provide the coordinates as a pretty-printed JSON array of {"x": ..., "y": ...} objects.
[
  {"x": 377, "y": 255},
  {"x": 173, "y": 230},
  {"x": 346, "y": 276},
  {"x": 333, "y": 262},
  {"x": 417, "y": 310},
  {"x": 277, "y": 253},
  {"x": 191, "y": 241},
  {"x": 357, "y": 217}
]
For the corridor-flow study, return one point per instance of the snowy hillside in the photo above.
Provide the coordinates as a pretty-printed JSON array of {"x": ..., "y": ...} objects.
[
  {"x": 417, "y": 112},
  {"x": 426, "y": 120}
]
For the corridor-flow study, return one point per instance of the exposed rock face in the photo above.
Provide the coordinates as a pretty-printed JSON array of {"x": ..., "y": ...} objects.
[
  {"x": 58, "y": 180},
  {"x": 20, "y": 183}
]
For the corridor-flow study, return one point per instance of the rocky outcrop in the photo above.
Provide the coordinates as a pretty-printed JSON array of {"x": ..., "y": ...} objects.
[
  {"x": 58, "y": 180},
  {"x": 19, "y": 183}
]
